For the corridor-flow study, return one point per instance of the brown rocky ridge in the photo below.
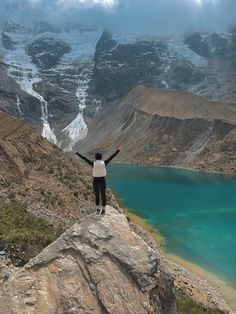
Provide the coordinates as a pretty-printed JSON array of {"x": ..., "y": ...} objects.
[{"x": 168, "y": 128}]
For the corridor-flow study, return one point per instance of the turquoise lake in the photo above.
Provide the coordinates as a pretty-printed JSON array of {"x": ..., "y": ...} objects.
[{"x": 194, "y": 212}]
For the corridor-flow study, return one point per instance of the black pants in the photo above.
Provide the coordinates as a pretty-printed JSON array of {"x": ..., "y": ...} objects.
[{"x": 99, "y": 186}]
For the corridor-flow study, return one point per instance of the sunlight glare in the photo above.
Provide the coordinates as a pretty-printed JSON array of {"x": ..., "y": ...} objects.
[{"x": 201, "y": 2}]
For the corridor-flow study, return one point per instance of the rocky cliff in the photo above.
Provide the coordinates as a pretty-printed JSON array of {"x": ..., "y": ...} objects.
[
  {"x": 99, "y": 265},
  {"x": 168, "y": 128},
  {"x": 200, "y": 63}
]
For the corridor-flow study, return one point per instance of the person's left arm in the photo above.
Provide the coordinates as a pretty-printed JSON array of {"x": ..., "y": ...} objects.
[{"x": 112, "y": 156}]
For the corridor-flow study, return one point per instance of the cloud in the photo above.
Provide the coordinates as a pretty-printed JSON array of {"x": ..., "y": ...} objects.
[
  {"x": 159, "y": 17},
  {"x": 87, "y": 3},
  {"x": 78, "y": 4}
]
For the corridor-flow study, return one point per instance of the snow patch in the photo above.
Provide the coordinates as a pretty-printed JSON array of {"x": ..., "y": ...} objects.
[
  {"x": 178, "y": 50},
  {"x": 125, "y": 38},
  {"x": 18, "y": 104},
  {"x": 48, "y": 133},
  {"x": 78, "y": 129},
  {"x": 98, "y": 105},
  {"x": 165, "y": 84},
  {"x": 83, "y": 45}
]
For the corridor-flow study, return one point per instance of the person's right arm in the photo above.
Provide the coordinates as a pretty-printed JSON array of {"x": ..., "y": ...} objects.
[{"x": 85, "y": 159}]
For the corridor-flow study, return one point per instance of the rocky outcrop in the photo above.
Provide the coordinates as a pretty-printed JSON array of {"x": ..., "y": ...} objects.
[
  {"x": 210, "y": 45},
  {"x": 47, "y": 51},
  {"x": 98, "y": 266}
]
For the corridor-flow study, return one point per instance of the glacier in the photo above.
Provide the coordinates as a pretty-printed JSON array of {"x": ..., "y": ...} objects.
[
  {"x": 78, "y": 129},
  {"x": 27, "y": 74}
]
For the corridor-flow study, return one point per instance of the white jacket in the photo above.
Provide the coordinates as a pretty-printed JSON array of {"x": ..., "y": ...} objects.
[{"x": 99, "y": 169}]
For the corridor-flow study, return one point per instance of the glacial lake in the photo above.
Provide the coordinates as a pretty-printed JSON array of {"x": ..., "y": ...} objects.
[{"x": 194, "y": 212}]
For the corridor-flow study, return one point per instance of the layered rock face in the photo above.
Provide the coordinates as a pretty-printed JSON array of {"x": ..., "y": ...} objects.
[{"x": 98, "y": 266}]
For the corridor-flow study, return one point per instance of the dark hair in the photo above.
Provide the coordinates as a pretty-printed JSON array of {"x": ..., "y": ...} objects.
[{"x": 98, "y": 156}]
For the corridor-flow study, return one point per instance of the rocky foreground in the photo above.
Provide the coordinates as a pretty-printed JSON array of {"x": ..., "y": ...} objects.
[{"x": 99, "y": 265}]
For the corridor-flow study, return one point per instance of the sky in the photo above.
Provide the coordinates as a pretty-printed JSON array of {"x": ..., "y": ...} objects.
[{"x": 154, "y": 17}]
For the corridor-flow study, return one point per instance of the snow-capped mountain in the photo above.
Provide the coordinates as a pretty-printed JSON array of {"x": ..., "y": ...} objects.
[
  {"x": 60, "y": 78},
  {"x": 203, "y": 64},
  {"x": 53, "y": 66}
]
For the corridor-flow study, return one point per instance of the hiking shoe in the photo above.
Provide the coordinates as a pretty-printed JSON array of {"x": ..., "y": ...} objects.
[
  {"x": 98, "y": 210},
  {"x": 103, "y": 210}
]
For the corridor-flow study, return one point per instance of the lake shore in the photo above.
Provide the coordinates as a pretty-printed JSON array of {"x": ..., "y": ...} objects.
[
  {"x": 223, "y": 173},
  {"x": 190, "y": 279}
]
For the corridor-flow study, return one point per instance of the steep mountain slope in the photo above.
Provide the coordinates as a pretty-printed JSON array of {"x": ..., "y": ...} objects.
[
  {"x": 33, "y": 171},
  {"x": 168, "y": 129},
  {"x": 17, "y": 102}
]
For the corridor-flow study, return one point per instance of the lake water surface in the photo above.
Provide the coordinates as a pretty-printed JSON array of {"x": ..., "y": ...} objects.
[{"x": 194, "y": 212}]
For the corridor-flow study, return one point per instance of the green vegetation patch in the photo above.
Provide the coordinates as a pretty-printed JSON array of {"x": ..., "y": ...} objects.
[
  {"x": 186, "y": 305},
  {"x": 22, "y": 235}
]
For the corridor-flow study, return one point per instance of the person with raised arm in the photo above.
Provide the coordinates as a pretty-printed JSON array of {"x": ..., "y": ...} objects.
[{"x": 99, "y": 177}]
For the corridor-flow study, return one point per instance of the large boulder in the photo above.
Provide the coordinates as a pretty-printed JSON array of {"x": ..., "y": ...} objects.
[{"x": 98, "y": 266}]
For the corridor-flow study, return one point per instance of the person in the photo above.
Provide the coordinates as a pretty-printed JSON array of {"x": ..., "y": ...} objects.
[{"x": 99, "y": 177}]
